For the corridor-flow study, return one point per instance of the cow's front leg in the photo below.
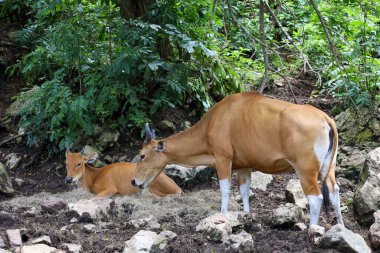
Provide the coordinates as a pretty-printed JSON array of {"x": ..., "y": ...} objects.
[
  {"x": 244, "y": 176},
  {"x": 223, "y": 167}
]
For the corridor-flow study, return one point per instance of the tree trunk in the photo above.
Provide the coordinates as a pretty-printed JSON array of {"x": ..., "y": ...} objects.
[
  {"x": 132, "y": 8},
  {"x": 265, "y": 80}
]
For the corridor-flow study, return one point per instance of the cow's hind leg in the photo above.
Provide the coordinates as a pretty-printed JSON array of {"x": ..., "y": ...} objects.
[
  {"x": 244, "y": 176},
  {"x": 308, "y": 173},
  {"x": 334, "y": 195}
]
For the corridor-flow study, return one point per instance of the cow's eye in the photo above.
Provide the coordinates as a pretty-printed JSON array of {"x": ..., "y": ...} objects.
[
  {"x": 142, "y": 157},
  {"x": 79, "y": 164}
]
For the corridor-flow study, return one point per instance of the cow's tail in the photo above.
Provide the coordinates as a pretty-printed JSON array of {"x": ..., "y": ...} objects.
[{"x": 330, "y": 158}]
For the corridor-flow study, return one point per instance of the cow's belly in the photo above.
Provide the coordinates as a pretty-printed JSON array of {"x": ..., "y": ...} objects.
[{"x": 265, "y": 164}]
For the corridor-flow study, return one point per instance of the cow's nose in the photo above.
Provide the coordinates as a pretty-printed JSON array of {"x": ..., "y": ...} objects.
[
  {"x": 133, "y": 182},
  {"x": 68, "y": 179}
]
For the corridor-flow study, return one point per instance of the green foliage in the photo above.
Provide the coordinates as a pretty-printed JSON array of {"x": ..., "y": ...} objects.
[{"x": 90, "y": 67}]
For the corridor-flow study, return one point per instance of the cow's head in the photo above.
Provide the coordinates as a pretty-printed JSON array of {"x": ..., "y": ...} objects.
[
  {"x": 75, "y": 165},
  {"x": 151, "y": 160}
]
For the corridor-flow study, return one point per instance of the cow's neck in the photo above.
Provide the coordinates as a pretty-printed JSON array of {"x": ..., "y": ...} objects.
[
  {"x": 89, "y": 176},
  {"x": 188, "y": 148}
]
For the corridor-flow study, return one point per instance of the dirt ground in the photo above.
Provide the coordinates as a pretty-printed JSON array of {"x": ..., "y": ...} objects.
[{"x": 45, "y": 177}]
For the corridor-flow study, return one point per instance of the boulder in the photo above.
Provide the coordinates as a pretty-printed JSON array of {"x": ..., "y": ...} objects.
[
  {"x": 242, "y": 243},
  {"x": 189, "y": 177},
  {"x": 53, "y": 205},
  {"x": 367, "y": 194},
  {"x": 107, "y": 139},
  {"x": 90, "y": 208},
  {"x": 148, "y": 223},
  {"x": 12, "y": 160},
  {"x": 286, "y": 215},
  {"x": 358, "y": 129},
  {"x": 260, "y": 180},
  {"x": 344, "y": 240},
  {"x": 14, "y": 237},
  {"x": 6, "y": 187},
  {"x": 294, "y": 193},
  {"x": 72, "y": 247},
  {"x": 38, "y": 248},
  {"x": 351, "y": 163},
  {"x": 300, "y": 226}
]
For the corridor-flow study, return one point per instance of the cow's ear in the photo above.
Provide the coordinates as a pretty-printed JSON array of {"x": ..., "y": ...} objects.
[
  {"x": 93, "y": 157},
  {"x": 135, "y": 159},
  {"x": 161, "y": 146}
]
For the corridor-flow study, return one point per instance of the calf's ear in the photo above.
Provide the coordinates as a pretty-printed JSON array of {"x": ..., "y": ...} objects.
[
  {"x": 92, "y": 158},
  {"x": 135, "y": 159},
  {"x": 161, "y": 146}
]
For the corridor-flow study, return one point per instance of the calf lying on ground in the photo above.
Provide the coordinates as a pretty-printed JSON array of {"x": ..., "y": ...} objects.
[{"x": 112, "y": 179}]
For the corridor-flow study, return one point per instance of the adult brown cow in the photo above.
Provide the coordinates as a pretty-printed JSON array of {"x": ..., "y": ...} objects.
[{"x": 248, "y": 130}]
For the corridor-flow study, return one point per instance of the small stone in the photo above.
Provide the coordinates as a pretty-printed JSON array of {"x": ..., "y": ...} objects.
[
  {"x": 162, "y": 240},
  {"x": 374, "y": 236},
  {"x": 31, "y": 212},
  {"x": 300, "y": 226},
  {"x": 167, "y": 125},
  {"x": 42, "y": 240},
  {"x": 108, "y": 159},
  {"x": 185, "y": 125},
  {"x": 140, "y": 242},
  {"x": 242, "y": 242},
  {"x": 149, "y": 223},
  {"x": 376, "y": 216},
  {"x": 6, "y": 187},
  {"x": 2, "y": 243},
  {"x": 316, "y": 232},
  {"x": 260, "y": 180},
  {"x": 53, "y": 205},
  {"x": 14, "y": 237},
  {"x": 89, "y": 228},
  {"x": 73, "y": 248},
  {"x": 19, "y": 182},
  {"x": 93, "y": 208},
  {"x": 38, "y": 248},
  {"x": 12, "y": 160},
  {"x": 74, "y": 220}
]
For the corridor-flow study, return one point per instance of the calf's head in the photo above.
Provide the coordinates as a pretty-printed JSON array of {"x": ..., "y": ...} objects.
[
  {"x": 151, "y": 160},
  {"x": 75, "y": 165}
]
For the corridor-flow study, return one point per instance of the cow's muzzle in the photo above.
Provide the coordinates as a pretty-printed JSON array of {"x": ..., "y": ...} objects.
[
  {"x": 135, "y": 184},
  {"x": 69, "y": 180}
]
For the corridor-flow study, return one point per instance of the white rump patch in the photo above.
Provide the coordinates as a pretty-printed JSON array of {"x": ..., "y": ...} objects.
[{"x": 321, "y": 150}]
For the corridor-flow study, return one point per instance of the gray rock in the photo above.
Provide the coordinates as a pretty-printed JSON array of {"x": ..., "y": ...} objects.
[
  {"x": 107, "y": 139},
  {"x": 149, "y": 223},
  {"x": 73, "y": 248},
  {"x": 42, "y": 240},
  {"x": 294, "y": 193},
  {"x": 6, "y": 187},
  {"x": 300, "y": 226},
  {"x": 167, "y": 125},
  {"x": 12, "y": 160},
  {"x": 19, "y": 182},
  {"x": 53, "y": 205},
  {"x": 367, "y": 194},
  {"x": 260, "y": 180},
  {"x": 89, "y": 228},
  {"x": 241, "y": 243},
  {"x": 162, "y": 240},
  {"x": 38, "y": 248},
  {"x": 351, "y": 164},
  {"x": 217, "y": 227},
  {"x": 344, "y": 240},
  {"x": 4, "y": 251},
  {"x": 14, "y": 237},
  {"x": 316, "y": 232},
  {"x": 31, "y": 212},
  {"x": 2, "y": 243},
  {"x": 376, "y": 216},
  {"x": 286, "y": 215},
  {"x": 93, "y": 208},
  {"x": 189, "y": 177},
  {"x": 140, "y": 242},
  {"x": 374, "y": 236}
]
